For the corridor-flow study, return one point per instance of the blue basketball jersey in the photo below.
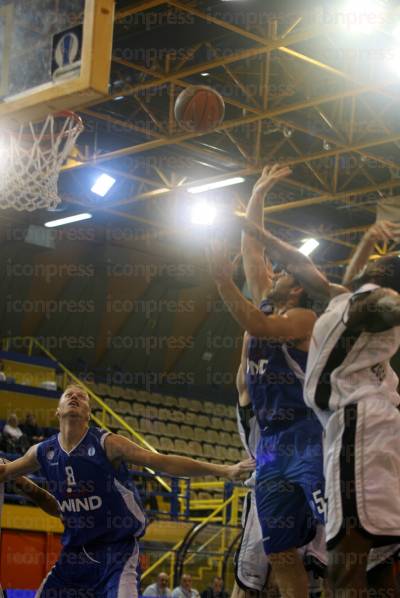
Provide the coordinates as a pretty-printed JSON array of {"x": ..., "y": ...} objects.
[
  {"x": 97, "y": 502},
  {"x": 274, "y": 376}
]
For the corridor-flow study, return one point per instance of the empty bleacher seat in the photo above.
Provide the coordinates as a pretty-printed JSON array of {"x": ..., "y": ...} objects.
[
  {"x": 132, "y": 422},
  {"x": 138, "y": 409},
  {"x": 208, "y": 450},
  {"x": 181, "y": 446},
  {"x": 195, "y": 448},
  {"x": 183, "y": 403},
  {"x": 153, "y": 440},
  {"x": 216, "y": 423},
  {"x": 124, "y": 408},
  {"x": 187, "y": 432},
  {"x": 170, "y": 401},
  {"x": 178, "y": 416},
  {"x": 166, "y": 444}
]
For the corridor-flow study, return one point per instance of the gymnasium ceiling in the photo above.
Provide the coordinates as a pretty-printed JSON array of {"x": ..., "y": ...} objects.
[{"x": 300, "y": 88}]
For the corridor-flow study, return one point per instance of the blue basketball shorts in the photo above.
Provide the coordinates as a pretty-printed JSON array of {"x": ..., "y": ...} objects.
[
  {"x": 289, "y": 488},
  {"x": 104, "y": 571}
]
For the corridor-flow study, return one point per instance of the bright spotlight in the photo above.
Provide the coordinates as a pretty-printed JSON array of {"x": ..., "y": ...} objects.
[
  {"x": 362, "y": 16},
  {"x": 309, "y": 245},
  {"x": 103, "y": 184},
  {"x": 203, "y": 213},
  {"x": 67, "y": 220}
]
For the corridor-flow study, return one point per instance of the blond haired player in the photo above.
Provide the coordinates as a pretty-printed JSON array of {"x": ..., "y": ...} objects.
[{"x": 101, "y": 510}]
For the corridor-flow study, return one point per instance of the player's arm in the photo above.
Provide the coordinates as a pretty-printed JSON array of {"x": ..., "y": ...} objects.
[
  {"x": 258, "y": 271},
  {"x": 120, "y": 448},
  {"x": 376, "y": 311},
  {"x": 301, "y": 266},
  {"x": 297, "y": 323},
  {"x": 382, "y": 231},
  {"x": 28, "y": 463},
  {"x": 39, "y": 496}
]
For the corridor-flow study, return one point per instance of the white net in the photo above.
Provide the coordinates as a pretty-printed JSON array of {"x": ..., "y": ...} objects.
[{"x": 31, "y": 159}]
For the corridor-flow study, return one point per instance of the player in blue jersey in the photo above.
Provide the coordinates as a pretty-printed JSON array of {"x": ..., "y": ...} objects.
[
  {"x": 289, "y": 474},
  {"x": 87, "y": 473}
]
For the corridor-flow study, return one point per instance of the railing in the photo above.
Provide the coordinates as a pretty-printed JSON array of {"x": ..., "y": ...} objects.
[
  {"x": 183, "y": 488},
  {"x": 205, "y": 544},
  {"x": 70, "y": 377}
]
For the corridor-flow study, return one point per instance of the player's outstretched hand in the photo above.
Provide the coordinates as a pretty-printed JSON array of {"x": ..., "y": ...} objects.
[
  {"x": 237, "y": 471},
  {"x": 220, "y": 265},
  {"x": 383, "y": 230},
  {"x": 269, "y": 177}
]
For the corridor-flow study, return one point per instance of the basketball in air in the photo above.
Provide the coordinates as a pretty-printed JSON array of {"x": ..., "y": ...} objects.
[{"x": 199, "y": 109}]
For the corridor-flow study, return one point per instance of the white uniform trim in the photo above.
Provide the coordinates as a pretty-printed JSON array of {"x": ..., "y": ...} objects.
[
  {"x": 132, "y": 505},
  {"x": 127, "y": 587}
]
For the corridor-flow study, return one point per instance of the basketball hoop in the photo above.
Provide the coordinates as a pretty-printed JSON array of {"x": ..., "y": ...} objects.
[{"x": 31, "y": 157}]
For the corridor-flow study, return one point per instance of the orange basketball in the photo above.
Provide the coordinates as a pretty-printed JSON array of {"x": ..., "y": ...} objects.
[{"x": 199, "y": 109}]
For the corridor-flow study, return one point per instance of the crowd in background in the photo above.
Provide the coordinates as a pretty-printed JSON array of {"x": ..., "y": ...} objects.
[
  {"x": 17, "y": 437},
  {"x": 160, "y": 588}
]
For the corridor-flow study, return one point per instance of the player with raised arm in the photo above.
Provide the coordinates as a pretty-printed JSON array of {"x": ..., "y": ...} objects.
[
  {"x": 353, "y": 390},
  {"x": 86, "y": 469},
  {"x": 289, "y": 479}
]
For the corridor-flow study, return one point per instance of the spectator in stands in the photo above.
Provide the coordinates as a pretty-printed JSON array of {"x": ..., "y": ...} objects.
[
  {"x": 159, "y": 588},
  {"x": 32, "y": 430},
  {"x": 15, "y": 439},
  {"x": 185, "y": 590},
  {"x": 216, "y": 590},
  {"x": 3, "y": 377}
]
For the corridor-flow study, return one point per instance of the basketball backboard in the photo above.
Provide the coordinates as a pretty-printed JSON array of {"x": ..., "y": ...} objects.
[{"x": 54, "y": 55}]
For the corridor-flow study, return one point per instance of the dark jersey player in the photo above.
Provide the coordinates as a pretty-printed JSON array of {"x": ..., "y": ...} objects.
[
  {"x": 289, "y": 473},
  {"x": 86, "y": 471}
]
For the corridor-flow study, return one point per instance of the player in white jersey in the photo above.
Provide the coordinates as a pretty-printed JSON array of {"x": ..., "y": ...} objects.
[
  {"x": 251, "y": 563},
  {"x": 39, "y": 496},
  {"x": 351, "y": 386}
]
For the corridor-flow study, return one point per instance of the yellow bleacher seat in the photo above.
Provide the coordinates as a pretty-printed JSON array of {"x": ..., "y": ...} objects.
[
  {"x": 153, "y": 440},
  {"x": 178, "y": 416},
  {"x": 221, "y": 452},
  {"x": 164, "y": 414},
  {"x": 195, "y": 406},
  {"x": 152, "y": 412},
  {"x": 208, "y": 407},
  {"x": 195, "y": 448},
  {"x": 203, "y": 421},
  {"x": 125, "y": 433},
  {"x": 138, "y": 409},
  {"x": 181, "y": 446},
  {"x": 170, "y": 401},
  {"x": 173, "y": 430},
  {"x": 231, "y": 412},
  {"x": 216, "y": 423},
  {"x": 199, "y": 434},
  {"x": 183, "y": 403},
  {"x": 133, "y": 422},
  {"x": 208, "y": 450},
  {"x": 124, "y": 408},
  {"x": 219, "y": 410},
  {"x": 187, "y": 432},
  {"x": 190, "y": 418},
  {"x": 166, "y": 444}
]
